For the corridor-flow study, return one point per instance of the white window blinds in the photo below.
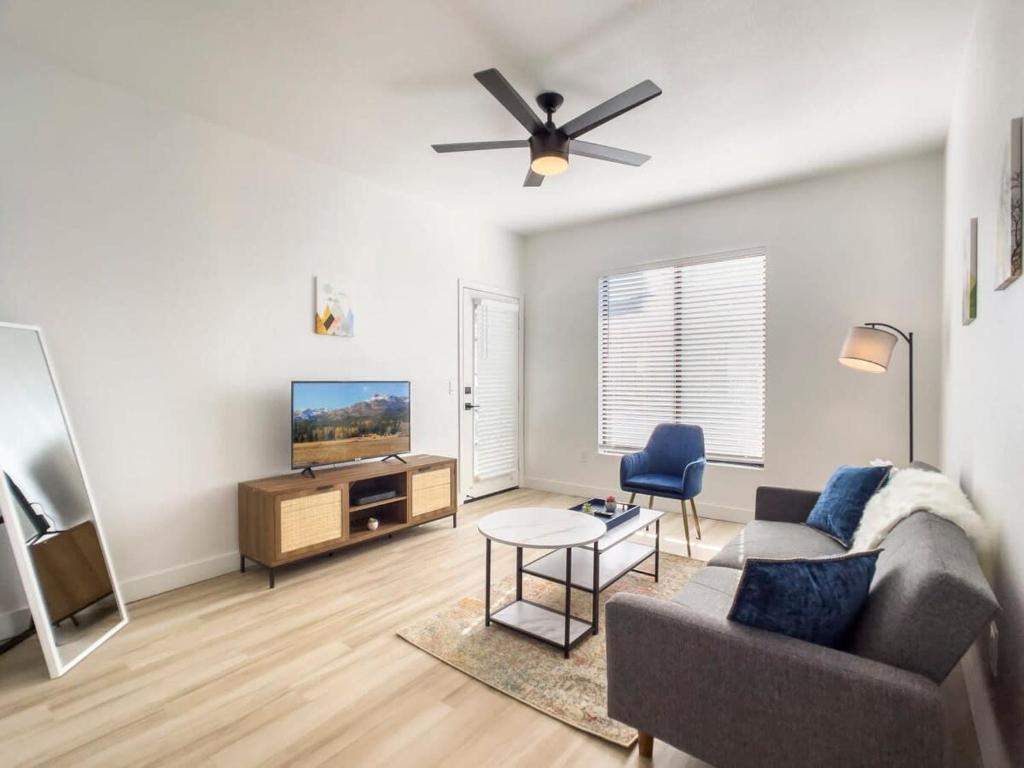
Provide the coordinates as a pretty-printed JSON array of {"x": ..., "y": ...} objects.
[
  {"x": 685, "y": 343},
  {"x": 496, "y": 388}
]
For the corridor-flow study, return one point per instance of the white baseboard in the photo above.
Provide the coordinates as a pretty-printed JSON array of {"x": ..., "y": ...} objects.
[
  {"x": 155, "y": 583},
  {"x": 677, "y": 546},
  {"x": 17, "y": 621},
  {"x": 14, "y": 622},
  {"x": 713, "y": 511},
  {"x": 178, "y": 576},
  {"x": 977, "y": 680},
  {"x": 182, "y": 575}
]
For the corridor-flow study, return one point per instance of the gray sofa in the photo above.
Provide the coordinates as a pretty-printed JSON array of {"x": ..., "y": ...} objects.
[{"x": 736, "y": 696}]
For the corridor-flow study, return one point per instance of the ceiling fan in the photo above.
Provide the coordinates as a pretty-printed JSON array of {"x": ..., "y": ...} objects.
[{"x": 550, "y": 146}]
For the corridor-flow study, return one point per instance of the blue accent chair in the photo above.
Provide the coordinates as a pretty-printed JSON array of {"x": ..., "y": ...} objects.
[{"x": 671, "y": 467}]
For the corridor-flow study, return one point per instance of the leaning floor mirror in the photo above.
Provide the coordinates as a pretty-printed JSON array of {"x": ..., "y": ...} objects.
[{"x": 48, "y": 511}]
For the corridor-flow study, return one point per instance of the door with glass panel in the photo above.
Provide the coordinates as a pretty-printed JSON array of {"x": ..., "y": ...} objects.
[{"x": 490, "y": 418}]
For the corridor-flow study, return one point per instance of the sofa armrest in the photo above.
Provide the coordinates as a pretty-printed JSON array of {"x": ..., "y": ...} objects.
[
  {"x": 738, "y": 696},
  {"x": 783, "y": 505}
]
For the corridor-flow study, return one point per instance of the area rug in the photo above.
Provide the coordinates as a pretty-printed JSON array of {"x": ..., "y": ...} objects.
[{"x": 572, "y": 690}]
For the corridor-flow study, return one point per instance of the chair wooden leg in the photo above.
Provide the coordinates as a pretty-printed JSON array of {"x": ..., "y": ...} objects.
[
  {"x": 696, "y": 520},
  {"x": 645, "y": 742},
  {"x": 632, "y": 496},
  {"x": 686, "y": 527},
  {"x": 650, "y": 502}
]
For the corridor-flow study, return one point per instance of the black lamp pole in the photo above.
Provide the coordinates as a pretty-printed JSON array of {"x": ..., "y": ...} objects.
[{"x": 909, "y": 338}]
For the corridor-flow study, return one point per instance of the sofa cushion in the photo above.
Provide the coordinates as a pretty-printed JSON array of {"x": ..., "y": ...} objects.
[
  {"x": 778, "y": 541},
  {"x": 812, "y": 599},
  {"x": 709, "y": 591},
  {"x": 841, "y": 505},
  {"x": 928, "y": 601}
]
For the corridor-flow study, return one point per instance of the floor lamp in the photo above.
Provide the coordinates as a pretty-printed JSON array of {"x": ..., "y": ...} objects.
[{"x": 869, "y": 348}]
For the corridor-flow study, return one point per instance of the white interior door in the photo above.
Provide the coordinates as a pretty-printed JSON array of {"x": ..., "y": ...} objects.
[{"x": 490, "y": 417}]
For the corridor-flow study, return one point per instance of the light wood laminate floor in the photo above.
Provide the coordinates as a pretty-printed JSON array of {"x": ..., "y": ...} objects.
[{"x": 229, "y": 673}]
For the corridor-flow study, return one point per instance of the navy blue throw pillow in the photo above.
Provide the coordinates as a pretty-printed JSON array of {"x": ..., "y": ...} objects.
[
  {"x": 841, "y": 505},
  {"x": 813, "y": 599}
]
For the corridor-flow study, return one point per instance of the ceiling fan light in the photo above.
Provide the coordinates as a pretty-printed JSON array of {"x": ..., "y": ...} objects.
[{"x": 550, "y": 165}]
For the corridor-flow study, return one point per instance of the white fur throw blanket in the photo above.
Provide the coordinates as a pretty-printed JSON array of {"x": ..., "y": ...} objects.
[{"x": 911, "y": 490}]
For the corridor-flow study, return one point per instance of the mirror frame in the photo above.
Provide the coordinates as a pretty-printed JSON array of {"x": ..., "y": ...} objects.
[{"x": 15, "y": 533}]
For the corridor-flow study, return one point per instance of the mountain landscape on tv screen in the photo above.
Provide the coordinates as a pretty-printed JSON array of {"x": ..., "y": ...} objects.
[{"x": 380, "y": 415}]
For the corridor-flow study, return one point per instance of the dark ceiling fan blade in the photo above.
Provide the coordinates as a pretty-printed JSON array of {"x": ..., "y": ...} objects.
[
  {"x": 495, "y": 82},
  {"x": 615, "y": 106},
  {"x": 603, "y": 152},
  {"x": 533, "y": 179},
  {"x": 471, "y": 146}
]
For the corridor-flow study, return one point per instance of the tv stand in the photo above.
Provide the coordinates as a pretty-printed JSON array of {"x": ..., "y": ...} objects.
[
  {"x": 394, "y": 456},
  {"x": 308, "y": 472},
  {"x": 294, "y": 517}
]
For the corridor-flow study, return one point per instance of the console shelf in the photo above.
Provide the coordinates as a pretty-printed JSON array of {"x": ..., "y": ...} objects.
[
  {"x": 380, "y": 503},
  {"x": 289, "y": 518}
]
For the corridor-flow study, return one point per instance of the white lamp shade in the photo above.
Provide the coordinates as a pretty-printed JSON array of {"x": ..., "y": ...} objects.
[{"x": 867, "y": 349}]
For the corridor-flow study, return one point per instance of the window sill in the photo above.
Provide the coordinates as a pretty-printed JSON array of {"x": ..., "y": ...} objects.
[
  {"x": 736, "y": 464},
  {"x": 711, "y": 462}
]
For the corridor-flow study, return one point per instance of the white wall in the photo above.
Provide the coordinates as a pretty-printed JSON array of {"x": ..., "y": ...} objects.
[
  {"x": 862, "y": 245},
  {"x": 170, "y": 263},
  {"x": 983, "y": 365}
]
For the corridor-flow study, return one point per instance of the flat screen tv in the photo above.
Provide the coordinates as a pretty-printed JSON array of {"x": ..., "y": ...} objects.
[{"x": 337, "y": 421}]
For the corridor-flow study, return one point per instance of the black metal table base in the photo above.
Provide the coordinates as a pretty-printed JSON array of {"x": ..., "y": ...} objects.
[{"x": 567, "y": 643}]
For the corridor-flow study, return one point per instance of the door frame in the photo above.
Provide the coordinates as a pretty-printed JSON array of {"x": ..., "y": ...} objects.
[{"x": 504, "y": 293}]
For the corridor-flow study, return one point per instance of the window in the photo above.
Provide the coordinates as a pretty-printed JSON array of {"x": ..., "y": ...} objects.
[{"x": 685, "y": 343}]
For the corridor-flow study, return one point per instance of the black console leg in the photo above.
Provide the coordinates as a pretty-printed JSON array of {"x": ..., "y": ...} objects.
[
  {"x": 270, "y": 578},
  {"x": 455, "y": 521},
  {"x": 241, "y": 567}
]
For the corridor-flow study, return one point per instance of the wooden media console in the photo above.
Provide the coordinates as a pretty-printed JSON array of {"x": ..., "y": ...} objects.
[{"x": 288, "y": 518}]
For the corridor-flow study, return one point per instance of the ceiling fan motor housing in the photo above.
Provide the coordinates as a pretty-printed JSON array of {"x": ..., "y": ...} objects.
[{"x": 549, "y": 144}]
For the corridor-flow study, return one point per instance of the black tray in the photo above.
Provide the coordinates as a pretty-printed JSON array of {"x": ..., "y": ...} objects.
[{"x": 623, "y": 512}]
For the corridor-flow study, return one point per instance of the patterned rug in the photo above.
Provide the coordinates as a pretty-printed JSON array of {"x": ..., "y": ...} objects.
[{"x": 572, "y": 690}]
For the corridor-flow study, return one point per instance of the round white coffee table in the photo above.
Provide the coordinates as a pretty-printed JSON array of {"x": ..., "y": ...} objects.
[{"x": 539, "y": 528}]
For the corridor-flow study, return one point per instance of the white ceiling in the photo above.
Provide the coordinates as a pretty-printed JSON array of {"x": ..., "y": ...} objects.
[{"x": 754, "y": 92}]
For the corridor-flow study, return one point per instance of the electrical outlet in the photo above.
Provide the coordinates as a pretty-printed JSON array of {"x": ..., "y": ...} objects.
[{"x": 993, "y": 649}]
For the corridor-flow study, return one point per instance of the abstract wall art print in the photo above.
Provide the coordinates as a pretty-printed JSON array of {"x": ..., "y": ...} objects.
[
  {"x": 333, "y": 311},
  {"x": 1011, "y": 209},
  {"x": 971, "y": 274}
]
